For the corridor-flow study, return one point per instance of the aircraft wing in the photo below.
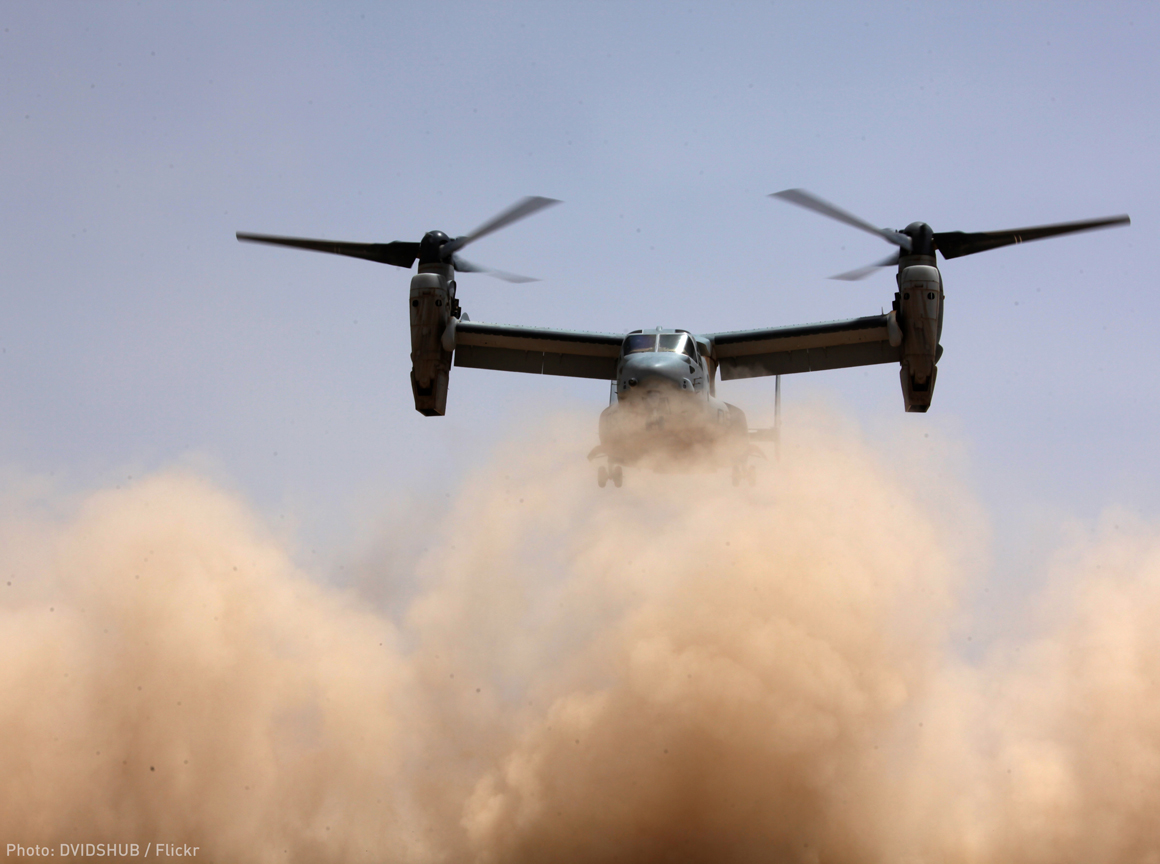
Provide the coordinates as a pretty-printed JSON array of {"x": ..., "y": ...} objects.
[
  {"x": 572, "y": 353},
  {"x": 805, "y": 348}
]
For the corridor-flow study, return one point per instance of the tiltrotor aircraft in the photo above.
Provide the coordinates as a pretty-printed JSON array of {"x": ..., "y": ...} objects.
[{"x": 664, "y": 409}]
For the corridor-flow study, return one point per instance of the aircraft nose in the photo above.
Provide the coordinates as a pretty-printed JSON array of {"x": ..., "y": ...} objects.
[{"x": 652, "y": 371}]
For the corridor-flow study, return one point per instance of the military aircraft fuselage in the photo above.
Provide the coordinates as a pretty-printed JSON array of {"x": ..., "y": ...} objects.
[{"x": 664, "y": 412}]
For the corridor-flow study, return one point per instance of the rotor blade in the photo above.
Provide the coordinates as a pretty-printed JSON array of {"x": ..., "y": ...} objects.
[
  {"x": 863, "y": 272},
  {"x": 523, "y": 207},
  {"x": 400, "y": 254},
  {"x": 955, "y": 244},
  {"x": 465, "y": 266},
  {"x": 808, "y": 200}
]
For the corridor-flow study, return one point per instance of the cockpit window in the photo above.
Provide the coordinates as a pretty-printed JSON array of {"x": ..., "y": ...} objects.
[
  {"x": 638, "y": 342},
  {"x": 681, "y": 343}
]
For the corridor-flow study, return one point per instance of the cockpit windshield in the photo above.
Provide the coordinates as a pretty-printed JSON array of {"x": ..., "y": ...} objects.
[
  {"x": 638, "y": 342},
  {"x": 681, "y": 343}
]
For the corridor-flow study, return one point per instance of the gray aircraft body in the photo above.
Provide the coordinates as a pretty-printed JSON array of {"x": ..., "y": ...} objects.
[{"x": 664, "y": 412}]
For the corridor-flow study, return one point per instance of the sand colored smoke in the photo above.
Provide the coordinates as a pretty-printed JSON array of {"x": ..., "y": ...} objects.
[{"x": 674, "y": 671}]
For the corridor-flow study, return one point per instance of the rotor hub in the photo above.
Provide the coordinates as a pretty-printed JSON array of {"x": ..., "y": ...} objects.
[
  {"x": 430, "y": 246},
  {"x": 921, "y": 238}
]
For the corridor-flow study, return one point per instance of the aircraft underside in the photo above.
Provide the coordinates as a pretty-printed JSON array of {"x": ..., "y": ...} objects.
[{"x": 675, "y": 433}]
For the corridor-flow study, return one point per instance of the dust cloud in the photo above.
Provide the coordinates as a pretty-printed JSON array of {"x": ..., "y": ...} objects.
[{"x": 673, "y": 671}]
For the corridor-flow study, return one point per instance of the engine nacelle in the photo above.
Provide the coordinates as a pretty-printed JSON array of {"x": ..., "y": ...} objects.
[
  {"x": 432, "y": 304},
  {"x": 920, "y": 313}
]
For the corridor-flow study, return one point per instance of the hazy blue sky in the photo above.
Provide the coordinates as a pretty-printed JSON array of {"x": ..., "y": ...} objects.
[{"x": 137, "y": 138}]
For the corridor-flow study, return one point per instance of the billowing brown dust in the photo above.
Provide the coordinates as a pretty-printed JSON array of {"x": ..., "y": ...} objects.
[{"x": 674, "y": 671}]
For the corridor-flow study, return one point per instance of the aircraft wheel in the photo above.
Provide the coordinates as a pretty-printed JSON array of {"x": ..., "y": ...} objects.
[
  {"x": 602, "y": 477},
  {"x": 617, "y": 475}
]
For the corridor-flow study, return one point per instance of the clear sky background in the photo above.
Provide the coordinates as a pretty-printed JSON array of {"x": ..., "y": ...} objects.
[{"x": 137, "y": 138}]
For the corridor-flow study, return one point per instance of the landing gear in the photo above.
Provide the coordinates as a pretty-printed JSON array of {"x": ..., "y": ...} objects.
[{"x": 614, "y": 473}]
